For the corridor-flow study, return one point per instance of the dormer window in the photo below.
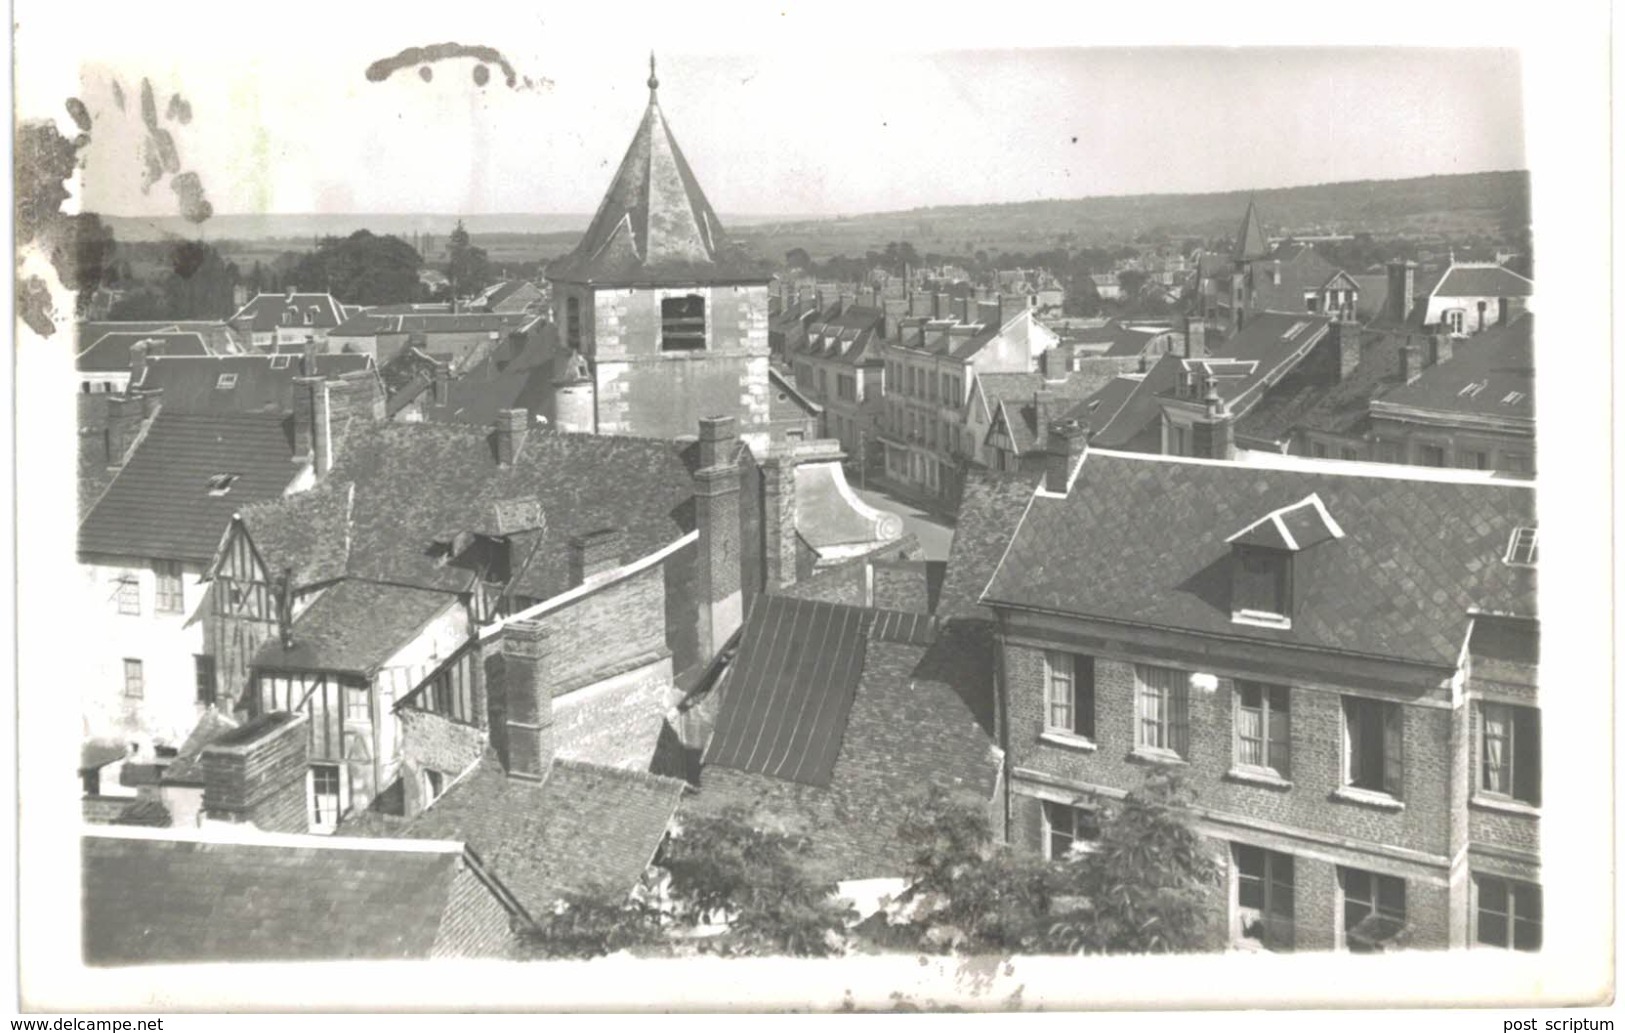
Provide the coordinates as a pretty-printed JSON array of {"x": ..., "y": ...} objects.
[
  {"x": 1265, "y": 561},
  {"x": 221, "y": 483},
  {"x": 310, "y": 316},
  {"x": 1261, "y": 589}
]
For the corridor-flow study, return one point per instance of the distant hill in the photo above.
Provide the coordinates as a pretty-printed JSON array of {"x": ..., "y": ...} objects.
[{"x": 1486, "y": 204}]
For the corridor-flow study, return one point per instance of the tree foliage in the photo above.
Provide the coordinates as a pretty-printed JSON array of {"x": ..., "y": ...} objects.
[
  {"x": 468, "y": 267},
  {"x": 362, "y": 269},
  {"x": 727, "y": 867},
  {"x": 592, "y": 924},
  {"x": 1149, "y": 885}
]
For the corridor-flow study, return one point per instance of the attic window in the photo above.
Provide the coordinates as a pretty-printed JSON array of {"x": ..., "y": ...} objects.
[
  {"x": 221, "y": 483},
  {"x": 1294, "y": 330},
  {"x": 1513, "y": 398},
  {"x": 1521, "y": 549},
  {"x": 280, "y": 361},
  {"x": 682, "y": 323},
  {"x": 1472, "y": 390},
  {"x": 226, "y": 382},
  {"x": 1261, "y": 587},
  {"x": 310, "y": 315}
]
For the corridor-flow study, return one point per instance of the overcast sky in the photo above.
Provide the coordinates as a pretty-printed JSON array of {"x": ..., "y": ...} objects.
[{"x": 812, "y": 116}]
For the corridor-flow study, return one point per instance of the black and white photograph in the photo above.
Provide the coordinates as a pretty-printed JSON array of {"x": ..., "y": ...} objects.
[{"x": 705, "y": 507}]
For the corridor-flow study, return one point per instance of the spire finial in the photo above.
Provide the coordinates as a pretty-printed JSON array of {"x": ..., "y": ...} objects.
[{"x": 654, "y": 84}]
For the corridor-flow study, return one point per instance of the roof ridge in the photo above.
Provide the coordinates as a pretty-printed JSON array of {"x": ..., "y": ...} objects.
[{"x": 626, "y": 774}]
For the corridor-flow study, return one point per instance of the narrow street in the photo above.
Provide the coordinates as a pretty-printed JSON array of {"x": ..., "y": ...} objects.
[{"x": 935, "y": 536}]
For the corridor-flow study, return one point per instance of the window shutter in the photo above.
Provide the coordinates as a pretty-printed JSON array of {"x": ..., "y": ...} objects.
[
  {"x": 1393, "y": 757},
  {"x": 1280, "y": 733},
  {"x": 1083, "y": 671},
  {"x": 1178, "y": 715},
  {"x": 1526, "y": 757}
]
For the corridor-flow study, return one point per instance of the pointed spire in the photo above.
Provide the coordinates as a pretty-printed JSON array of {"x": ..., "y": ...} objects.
[
  {"x": 1250, "y": 239},
  {"x": 654, "y": 84}
]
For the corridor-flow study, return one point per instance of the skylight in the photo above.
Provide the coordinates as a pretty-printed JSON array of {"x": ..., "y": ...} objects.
[
  {"x": 280, "y": 361},
  {"x": 226, "y": 382},
  {"x": 1513, "y": 398},
  {"x": 1293, "y": 331},
  {"x": 1522, "y": 548},
  {"x": 221, "y": 483},
  {"x": 1472, "y": 390}
]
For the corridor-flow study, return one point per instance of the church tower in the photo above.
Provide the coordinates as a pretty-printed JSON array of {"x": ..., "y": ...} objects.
[{"x": 670, "y": 318}]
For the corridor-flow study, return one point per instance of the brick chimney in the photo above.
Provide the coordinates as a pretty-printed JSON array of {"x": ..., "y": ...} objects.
[
  {"x": 1410, "y": 361},
  {"x": 1195, "y": 337},
  {"x": 595, "y": 553},
  {"x": 779, "y": 521},
  {"x": 520, "y": 701},
  {"x": 307, "y": 357},
  {"x": 716, "y": 504},
  {"x": 965, "y": 309},
  {"x": 987, "y": 312},
  {"x": 896, "y": 310},
  {"x": 1345, "y": 338},
  {"x": 919, "y": 304},
  {"x": 1222, "y": 440},
  {"x": 1440, "y": 348},
  {"x": 1042, "y": 401},
  {"x": 1054, "y": 363},
  {"x": 941, "y": 305},
  {"x": 310, "y": 420},
  {"x": 511, "y": 427},
  {"x": 138, "y": 363},
  {"x": 255, "y": 774},
  {"x": 1401, "y": 290},
  {"x": 124, "y": 415},
  {"x": 1011, "y": 306},
  {"x": 1068, "y": 445}
]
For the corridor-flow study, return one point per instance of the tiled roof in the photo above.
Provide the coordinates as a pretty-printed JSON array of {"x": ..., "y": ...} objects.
[
  {"x": 264, "y": 312},
  {"x": 1136, "y": 411},
  {"x": 415, "y": 483},
  {"x": 1250, "y": 239},
  {"x": 151, "y": 899},
  {"x": 258, "y": 383},
  {"x": 160, "y": 504},
  {"x": 1314, "y": 399},
  {"x": 187, "y": 767},
  {"x": 654, "y": 224},
  {"x": 584, "y": 828},
  {"x": 308, "y": 532},
  {"x": 94, "y": 475},
  {"x": 518, "y": 379},
  {"x": 1015, "y": 391},
  {"x": 990, "y": 506},
  {"x": 1141, "y": 540},
  {"x": 921, "y": 717},
  {"x": 110, "y": 353},
  {"x": 1482, "y": 281},
  {"x": 1491, "y": 374},
  {"x": 354, "y": 627},
  {"x": 785, "y": 701}
]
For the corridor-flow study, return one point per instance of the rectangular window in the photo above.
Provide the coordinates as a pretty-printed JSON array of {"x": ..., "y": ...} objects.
[
  {"x": 128, "y": 593},
  {"x": 1430, "y": 455},
  {"x": 1373, "y": 907},
  {"x": 207, "y": 687},
  {"x": 1350, "y": 453},
  {"x": 1471, "y": 460},
  {"x": 1509, "y": 752},
  {"x": 1373, "y": 746},
  {"x": 1070, "y": 694},
  {"x": 682, "y": 323},
  {"x": 1265, "y": 894},
  {"x": 1162, "y": 707},
  {"x": 1509, "y": 913},
  {"x": 1262, "y": 582},
  {"x": 1318, "y": 450},
  {"x": 135, "y": 683},
  {"x": 434, "y": 783},
  {"x": 1068, "y": 828},
  {"x": 1517, "y": 462},
  {"x": 325, "y": 785},
  {"x": 1263, "y": 727},
  {"x": 357, "y": 704},
  {"x": 170, "y": 597}
]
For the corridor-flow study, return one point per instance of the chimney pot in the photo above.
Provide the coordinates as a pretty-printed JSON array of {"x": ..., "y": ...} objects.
[
  {"x": 717, "y": 437},
  {"x": 523, "y": 704}
]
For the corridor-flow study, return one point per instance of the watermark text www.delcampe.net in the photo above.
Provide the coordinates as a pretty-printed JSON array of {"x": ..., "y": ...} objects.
[{"x": 91, "y": 1025}]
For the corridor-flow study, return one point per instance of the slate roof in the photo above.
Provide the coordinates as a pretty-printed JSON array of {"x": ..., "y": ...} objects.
[
  {"x": 784, "y": 703},
  {"x": 217, "y": 336},
  {"x": 159, "y": 505},
  {"x": 1136, "y": 404},
  {"x": 1014, "y": 393},
  {"x": 416, "y": 483},
  {"x": 1141, "y": 540},
  {"x": 368, "y": 324},
  {"x": 654, "y": 225},
  {"x": 110, "y": 353},
  {"x": 1482, "y": 281},
  {"x": 1274, "y": 341},
  {"x": 1313, "y": 399},
  {"x": 499, "y": 292},
  {"x": 1490, "y": 374},
  {"x": 584, "y": 828},
  {"x": 990, "y": 506},
  {"x": 355, "y": 626},
  {"x": 260, "y": 383},
  {"x": 1250, "y": 239},
  {"x": 172, "y": 898},
  {"x": 514, "y": 375},
  {"x": 920, "y": 717},
  {"x": 263, "y": 312}
]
